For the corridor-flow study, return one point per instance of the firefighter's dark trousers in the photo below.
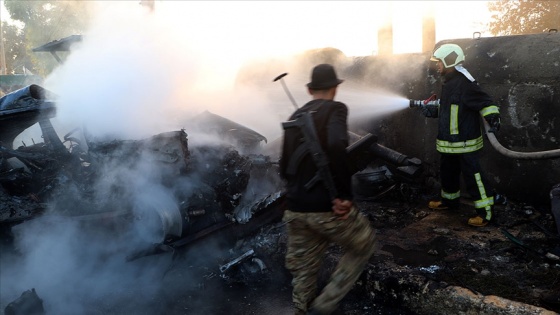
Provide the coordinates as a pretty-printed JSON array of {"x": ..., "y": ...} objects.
[
  {"x": 555, "y": 204},
  {"x": 467, "y": 164},
  {"x": 309, "y": 235}
]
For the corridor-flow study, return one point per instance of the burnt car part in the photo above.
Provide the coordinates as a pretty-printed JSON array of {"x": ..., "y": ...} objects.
[
  {"x": 373, "y": 183},
  {"x": 21, "y": 109},
  {"x": 28, "y": 303},
  {"x": 240, "y": 136},
  {"x": 366, "y": 149},
  {"x": 63, "y": 44},
  {"x": 237, "y": 261},
  {"x": 27, "y": 174}
]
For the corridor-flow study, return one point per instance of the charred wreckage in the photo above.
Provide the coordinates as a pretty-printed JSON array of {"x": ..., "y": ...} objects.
[{"x": 193, "y": 191}]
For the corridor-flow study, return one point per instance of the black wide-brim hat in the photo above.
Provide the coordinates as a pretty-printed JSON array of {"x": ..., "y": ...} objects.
[{"x": 323, "y": 76}]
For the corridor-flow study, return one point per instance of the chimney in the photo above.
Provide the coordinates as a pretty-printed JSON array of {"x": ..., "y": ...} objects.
[
  {"x": 428, "y": 29},
  {"x": 385, "y": 40},
  {"x": 385, "y": 34},
  {"x": 150, "y": 4}
]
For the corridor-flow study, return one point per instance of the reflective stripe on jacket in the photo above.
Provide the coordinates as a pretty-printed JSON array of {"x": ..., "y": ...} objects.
[{"x": 461, "y": 104}]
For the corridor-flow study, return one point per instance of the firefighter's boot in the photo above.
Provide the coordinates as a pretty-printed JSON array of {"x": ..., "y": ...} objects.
[
  {"x": 478, "y": 221},
  {"x": 481, "y": 218},
  {"x": 443, "y": 204}
]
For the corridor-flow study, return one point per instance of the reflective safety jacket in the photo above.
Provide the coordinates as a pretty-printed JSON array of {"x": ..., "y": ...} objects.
[{"x": 461, "y": 104}]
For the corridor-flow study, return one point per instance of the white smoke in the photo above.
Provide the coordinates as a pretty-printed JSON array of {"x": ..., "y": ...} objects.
[
  {"x": 137, "y": 74},
  {"x": 124, "y": 81}
]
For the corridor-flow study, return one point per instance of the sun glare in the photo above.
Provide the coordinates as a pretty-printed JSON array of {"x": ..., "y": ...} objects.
[
  {"x": 263, "y": 28},
  {"x": 407, "y": 26},
  {"x": 249, "y": 29}
]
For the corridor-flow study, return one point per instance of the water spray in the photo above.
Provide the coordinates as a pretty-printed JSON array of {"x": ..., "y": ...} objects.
[{"x": 281, "y": 78}]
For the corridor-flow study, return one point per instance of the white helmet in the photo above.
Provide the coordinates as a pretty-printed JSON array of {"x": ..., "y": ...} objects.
[{"x": 450, "y": 54}]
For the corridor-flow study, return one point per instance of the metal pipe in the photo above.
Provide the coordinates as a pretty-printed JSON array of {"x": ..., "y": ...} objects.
[
  {"x": 237, "y": 260},
  {"x": 281, "y": 78}
]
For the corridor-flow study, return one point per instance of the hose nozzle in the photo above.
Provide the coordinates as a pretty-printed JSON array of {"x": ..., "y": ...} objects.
[
  {"x": 416, "y": 103},
  {"x": 421, "y": 103}
]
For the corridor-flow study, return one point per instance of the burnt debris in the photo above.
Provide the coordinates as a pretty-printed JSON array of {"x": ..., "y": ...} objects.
[
  {"x": 75, "y": 177},
  {"x": 213, "y": 186},
  {"x": 157, "y": 194}
]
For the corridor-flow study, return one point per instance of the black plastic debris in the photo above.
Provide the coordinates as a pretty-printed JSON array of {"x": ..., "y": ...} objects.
[{"x": 28, "y": 303}]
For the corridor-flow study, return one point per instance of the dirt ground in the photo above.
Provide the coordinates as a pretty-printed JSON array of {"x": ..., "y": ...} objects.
[
  {"x": 437, "y": 244},
  {"x": 505, "y": 258}
]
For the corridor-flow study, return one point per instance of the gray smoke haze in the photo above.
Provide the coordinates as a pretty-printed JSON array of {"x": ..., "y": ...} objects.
[
  {"x": 77, "y": 264},
  {"x": 121, "y": 83},
  {"x": 139, "y": 73}
]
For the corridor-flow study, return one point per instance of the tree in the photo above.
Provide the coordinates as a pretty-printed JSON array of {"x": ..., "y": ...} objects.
[
  {"x": 515, "y": 17},
  {"x": 43, "y": 22},
  {"x": 15, "y": 49}
]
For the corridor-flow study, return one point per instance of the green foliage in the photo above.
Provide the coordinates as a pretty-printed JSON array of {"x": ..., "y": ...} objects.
[
  {"x": 515, "y": 17},
  {"x": 15, "y": 49},
  {"x": 44, "y": 21}
]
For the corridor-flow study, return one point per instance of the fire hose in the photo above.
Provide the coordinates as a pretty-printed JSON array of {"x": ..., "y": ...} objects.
[{"x": 537, "y": 155}]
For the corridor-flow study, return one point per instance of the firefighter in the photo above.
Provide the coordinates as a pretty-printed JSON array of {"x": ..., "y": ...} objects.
[{"x": 459, "y": 139}]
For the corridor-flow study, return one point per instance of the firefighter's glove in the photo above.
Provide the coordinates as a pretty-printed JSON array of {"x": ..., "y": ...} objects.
[
  {"x": 494, "y": 122},
  {"x": 430, "y": 111}
]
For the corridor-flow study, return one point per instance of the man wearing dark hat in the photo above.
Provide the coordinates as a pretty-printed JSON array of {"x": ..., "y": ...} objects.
[{"x": 314, "y": 218}]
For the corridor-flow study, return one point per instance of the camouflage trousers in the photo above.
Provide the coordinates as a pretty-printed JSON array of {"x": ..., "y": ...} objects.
[{"x": 309, "y": 235}]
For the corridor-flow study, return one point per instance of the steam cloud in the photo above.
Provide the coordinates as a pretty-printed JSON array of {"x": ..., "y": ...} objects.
[
  {"x": 137, "y": 74},
  {"x": 123, "y": 82}
]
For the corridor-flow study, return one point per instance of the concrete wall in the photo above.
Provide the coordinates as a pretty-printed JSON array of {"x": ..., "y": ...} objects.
[{"x": 521, "y": 73}]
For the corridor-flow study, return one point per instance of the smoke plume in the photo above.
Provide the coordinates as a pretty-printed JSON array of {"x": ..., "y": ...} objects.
[{"x": 136, "y": 74}]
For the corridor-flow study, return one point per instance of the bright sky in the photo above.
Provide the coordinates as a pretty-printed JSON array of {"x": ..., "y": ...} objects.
[
  {"x": 278, "y": 27},
  {"x": 186, "y": 56},
  {"x": 350, "y": 26}
]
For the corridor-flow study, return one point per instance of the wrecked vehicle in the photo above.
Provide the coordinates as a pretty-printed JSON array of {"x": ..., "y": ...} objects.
[
  {"x": 194, "y": 191},
  {"x": 65, "y": 176}
]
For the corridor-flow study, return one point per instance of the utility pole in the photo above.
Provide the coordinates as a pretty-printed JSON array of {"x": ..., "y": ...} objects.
[{"x": 3, "y": 69}]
